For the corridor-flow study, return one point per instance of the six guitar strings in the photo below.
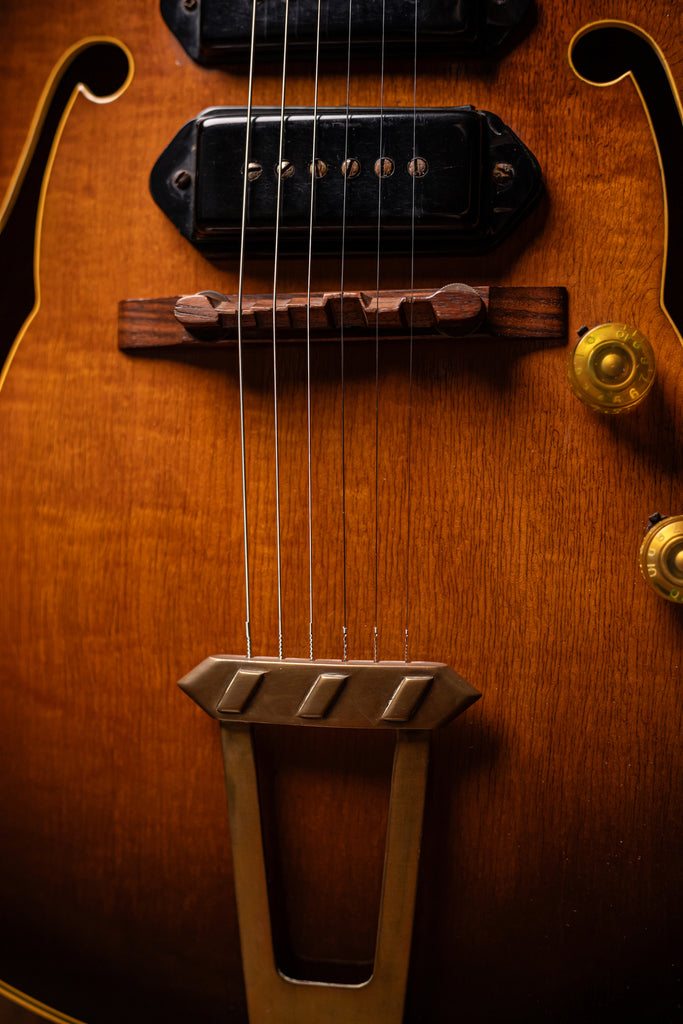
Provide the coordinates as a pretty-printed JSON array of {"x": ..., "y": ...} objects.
[{"x": 240, "y": 341}]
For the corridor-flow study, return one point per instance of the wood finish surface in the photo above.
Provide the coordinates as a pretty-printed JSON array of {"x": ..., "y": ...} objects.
[
  {"x": 11, "y": 1013},
  {"x": 550, "y": 874}
]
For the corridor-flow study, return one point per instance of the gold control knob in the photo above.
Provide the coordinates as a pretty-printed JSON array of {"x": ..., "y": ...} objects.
[
  {"x": 661, "y": 558},
  {"x": 612, "y": 367}
]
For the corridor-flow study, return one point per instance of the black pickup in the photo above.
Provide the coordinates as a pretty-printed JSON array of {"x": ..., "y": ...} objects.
[
  {"x": 463, "y": 188},
  {"x": 219, "y": 31}
]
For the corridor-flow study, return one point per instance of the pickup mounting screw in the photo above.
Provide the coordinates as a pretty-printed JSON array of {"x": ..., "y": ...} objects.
[
  {"x": 351, "y": 168},
  {"x": 418, "y": 167},
  {"x": 285, "y": 169},
  {"x": 384, "y": 167},
  {"x": 254, "y": 170},
  {"x": 503, "y": 174},
  {"x": 182, "y": 180},
  {"x": 190, "y": 5}
]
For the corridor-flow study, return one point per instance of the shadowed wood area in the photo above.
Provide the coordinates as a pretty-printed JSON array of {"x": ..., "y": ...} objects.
[
  {"x": 484, "y": 508},
  {"x": 10, "y": 1013}
]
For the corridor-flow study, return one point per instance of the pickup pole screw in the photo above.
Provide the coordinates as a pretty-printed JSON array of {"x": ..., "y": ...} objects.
[
  {"x": 418, "y": 167},
  {"x": 254, "y": 170},
  {"x": 285, "y": 169},
  {"x": 384, "y": 167},
  {"x": 351, "y": 168},
  {"x": 190, "y": 5},
  {"x": 320, "y": 168}
]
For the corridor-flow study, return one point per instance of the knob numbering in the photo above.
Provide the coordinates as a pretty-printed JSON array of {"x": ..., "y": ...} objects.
[
  {"x": 661, "y": 558},
  {"x": 612, "y": 367}
]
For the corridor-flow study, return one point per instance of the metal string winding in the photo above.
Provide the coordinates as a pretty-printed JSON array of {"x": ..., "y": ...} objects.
[
  {"x": 280, "y": 171},
  {"x": 381, "y": 167},
  {"x": 314, "y": 157},
  {"x": 345, "y": 630},
  {"x": 410, "y": 348},
  {"x": 245, "y": 187}
]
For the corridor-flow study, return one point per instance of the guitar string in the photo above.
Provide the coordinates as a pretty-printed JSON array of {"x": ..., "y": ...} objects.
[
  {"x": 280, "y": 173},
  {"x": 240, "y": 293},
  {"x": 314, "y": 156},
  {"x": 380, "y": 179},
  {"x": 410, "y": 344},
  {"x": 345, "y": 166}
]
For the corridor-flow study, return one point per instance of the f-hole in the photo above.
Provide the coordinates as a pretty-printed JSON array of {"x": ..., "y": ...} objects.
[
  {"x": 99, "y": 68},
  {"x": 602, "y": 54}
]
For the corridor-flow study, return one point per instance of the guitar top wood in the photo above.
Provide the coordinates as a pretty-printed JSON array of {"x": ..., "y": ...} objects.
[{"x": 464, "y": 494}]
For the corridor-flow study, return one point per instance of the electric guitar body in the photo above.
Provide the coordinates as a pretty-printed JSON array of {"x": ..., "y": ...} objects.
[{"x": 459, "y": 490}]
